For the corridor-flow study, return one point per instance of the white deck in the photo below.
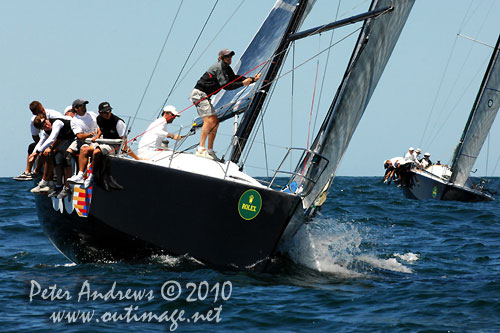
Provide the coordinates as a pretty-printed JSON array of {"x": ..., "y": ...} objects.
[{"x": 195, "y": 164}]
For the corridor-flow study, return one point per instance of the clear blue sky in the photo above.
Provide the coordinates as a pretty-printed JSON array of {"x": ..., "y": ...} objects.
[{"x": 56, "y": 51}]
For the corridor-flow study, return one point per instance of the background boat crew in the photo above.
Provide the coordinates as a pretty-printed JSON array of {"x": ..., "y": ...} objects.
[
  {"x": 426, "y": 161},
  {"x": 411, "y": 156},
  {"x": 417, "y": 153},
  {"x": 36, "y": 108},
  {"x": 109, "y": 127},
  {"x": 217, "y": 76},
  {"x": 391, "y": 169},
  {"x": 156, "y": 132},
  {"x": 56, "y": 135},
  {"x": 84, "y": 125}
]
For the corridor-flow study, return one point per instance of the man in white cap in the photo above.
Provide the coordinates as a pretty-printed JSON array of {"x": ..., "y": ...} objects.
[
  {"x": 411, "y": 156},
  {"x": 218, "y": 76},
  {"x": 426, "y": 161},
  {"x": 417, "y": 153},
  {"x": 84, "y": 125},
  {"x": 156, "y": 133}
]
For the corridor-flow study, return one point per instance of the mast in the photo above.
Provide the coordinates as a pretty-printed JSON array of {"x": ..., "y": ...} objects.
[
  {"x": 478, "y": 124},
  {"x": 251, "y": 115}
]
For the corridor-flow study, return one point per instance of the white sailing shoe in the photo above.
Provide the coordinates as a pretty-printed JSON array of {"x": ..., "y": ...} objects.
[
  {"x": 76, "y": 179},
  {"x": 43, "y": 186},
  {"x": 201, "y": 153}
]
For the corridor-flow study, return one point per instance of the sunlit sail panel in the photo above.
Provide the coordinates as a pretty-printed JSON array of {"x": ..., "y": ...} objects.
[
  {"x": 374, "y": 47},
  {"x": 476, "y": 130},
  {"x": 260, "y": 51}
]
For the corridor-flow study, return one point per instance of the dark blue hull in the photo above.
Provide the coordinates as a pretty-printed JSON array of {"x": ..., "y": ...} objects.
[
  {"x": 163, "y": 210},
  {"x": 425, "y": 186}
]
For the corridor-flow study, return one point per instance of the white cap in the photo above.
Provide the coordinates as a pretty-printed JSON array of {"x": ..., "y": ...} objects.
[
  {"x": 418, "y": 151},
  {"x": 68, "y": 108},
  {"x": 171, "y": 109},
  {"x": 411, "y": 148},
  {"x": 427, "y": 154}
]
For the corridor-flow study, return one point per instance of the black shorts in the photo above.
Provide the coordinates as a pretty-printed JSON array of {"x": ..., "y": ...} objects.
[{"x": 31, "y": 147}]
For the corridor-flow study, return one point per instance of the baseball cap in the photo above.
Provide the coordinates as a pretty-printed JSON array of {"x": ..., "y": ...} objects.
[
  {"x": 171, "y": 109},
  {"x": 225, "y": 52},
  {"x": 69, "y": 108},
  {"x": 105, "y": 107},
  {"x": 79, "y": 102}
]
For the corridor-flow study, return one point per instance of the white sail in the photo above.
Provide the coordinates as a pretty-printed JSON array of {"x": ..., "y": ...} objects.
[
  {"x": 480, "y": 120},
  {"x": 375, "y": 45}
]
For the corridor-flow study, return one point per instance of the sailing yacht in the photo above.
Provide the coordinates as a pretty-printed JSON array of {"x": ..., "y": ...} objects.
[
  {"x": 177, "y": 203},
  {"x": 442, "y": 182}
]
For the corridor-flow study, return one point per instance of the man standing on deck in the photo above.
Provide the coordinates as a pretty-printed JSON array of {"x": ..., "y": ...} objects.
[{"x": 219, "y": 75}]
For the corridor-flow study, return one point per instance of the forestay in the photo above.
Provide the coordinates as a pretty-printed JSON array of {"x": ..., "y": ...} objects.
[
  {"x": 481, "y": 118},
  {"x": 373, "y": 49},
  {"x": 261, "y": 50}
]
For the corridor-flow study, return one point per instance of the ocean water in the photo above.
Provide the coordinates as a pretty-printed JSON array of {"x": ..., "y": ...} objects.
[{"x": 372, "y": 261}]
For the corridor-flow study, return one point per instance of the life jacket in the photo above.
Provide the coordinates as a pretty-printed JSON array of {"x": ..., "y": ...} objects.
[
  {"x": 66, "y": 133},
  {"x": 108, "y": 126}
]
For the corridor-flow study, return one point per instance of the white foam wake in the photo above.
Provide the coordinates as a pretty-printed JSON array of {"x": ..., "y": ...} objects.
[{"x": 332, "y": 246}]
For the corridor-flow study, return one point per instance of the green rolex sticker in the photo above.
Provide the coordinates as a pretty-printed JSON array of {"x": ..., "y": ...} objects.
[
  {"x": 434, "y": 191},
  {"x": 249, "y": 204}
]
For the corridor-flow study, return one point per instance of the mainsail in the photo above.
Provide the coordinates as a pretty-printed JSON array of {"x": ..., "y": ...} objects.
[
  {"x": 373, "y": 49},
  {"x": 478, "y": 125},
  {"x": 283, "y": 19}
]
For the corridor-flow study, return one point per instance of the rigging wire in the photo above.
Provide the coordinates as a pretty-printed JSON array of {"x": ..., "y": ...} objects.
[
  {"x": 468, "y": 15},
  {"x": 191, "y": 52},
  {"x": 442, "y": 79},
  {"x": 265, "y": 149},
  {"x": 291, "y": 104},
  {"x": 324, "y": 71},
  {"x": 251, "y": 139},
  {"x": 467, "y": 88},
  {"x": 312, "y": 103},
  {"x": 312, "y": 57},
  {"x": 202, "y": 53},
  {"x": 155, "y": 66}
]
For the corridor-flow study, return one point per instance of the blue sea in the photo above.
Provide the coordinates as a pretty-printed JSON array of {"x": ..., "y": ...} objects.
[{"x": 372, "y": 261}]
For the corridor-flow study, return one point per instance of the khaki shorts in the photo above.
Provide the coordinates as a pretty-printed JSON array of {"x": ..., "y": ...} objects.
[
  {"x": 203, "y": 105},
  {"x": 108, "y": 149},
  {"x": 77, "y": 144}
]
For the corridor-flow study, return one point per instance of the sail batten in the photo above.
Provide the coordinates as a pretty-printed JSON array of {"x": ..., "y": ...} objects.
[{"x": 478, "y": 125}]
